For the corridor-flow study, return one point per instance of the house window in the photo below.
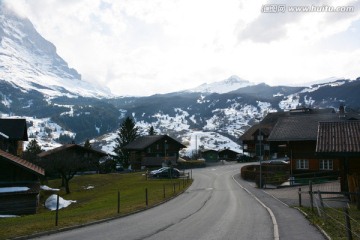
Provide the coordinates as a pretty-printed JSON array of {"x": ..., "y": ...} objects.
[
  {"x": 157, "y": 146},
  {"x": 302, "y": 164},
  {"x": 326, "y": 164},
  {"x": 149, "y": 150}
]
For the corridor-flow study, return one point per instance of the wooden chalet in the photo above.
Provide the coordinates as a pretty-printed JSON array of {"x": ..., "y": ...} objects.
[
  {"x": 210, "y": 155},
  {"x": 64, "y": 156},
  {"x": 340, "y": 141},
  {"x": 228, "y": 155},
  {"x": 13, "y": 133},
  {"x": 293, "y": 134},
  {"x": 154, "y": 151},
  {"x": 296, "y": 137},
  {"x": 19, "y": 185}
]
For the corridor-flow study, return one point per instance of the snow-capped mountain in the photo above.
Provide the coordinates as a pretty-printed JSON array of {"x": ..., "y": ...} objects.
[
  {"x": 30, "y": 62},
  {"x": 227, "y": 85}
]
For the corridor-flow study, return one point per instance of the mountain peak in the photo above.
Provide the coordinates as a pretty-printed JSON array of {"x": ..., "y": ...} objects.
[
  {"x": 230, "y": 84},
  {"x": 31, "y": 62}
]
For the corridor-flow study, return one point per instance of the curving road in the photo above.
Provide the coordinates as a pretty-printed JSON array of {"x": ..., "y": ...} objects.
[{"x": 218, "y": 205}]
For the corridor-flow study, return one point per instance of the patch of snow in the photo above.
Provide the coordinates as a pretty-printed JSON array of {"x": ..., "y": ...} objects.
[
  {"x": 13, "y": 189},
  {"x": 89, "y": 187},
  {"x": 46, "y": 188},
  {"x": 8, "y": 216},
  {"x": 50, "y": 203}
]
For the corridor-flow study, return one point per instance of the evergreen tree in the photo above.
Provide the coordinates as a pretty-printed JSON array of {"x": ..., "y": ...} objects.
[
  {"x": 151, "y": 131},
  {"x": 87, "y": 144},
  {"x": 32, "y": 149},
  {"x": 126, "y": 134}
]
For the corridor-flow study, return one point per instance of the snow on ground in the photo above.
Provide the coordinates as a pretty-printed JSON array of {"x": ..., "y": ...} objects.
[
  {"x": 8, "y": 216},
  {"x": 50, "y": 203},
  {"x": 13, "y": 189},
  {"x": 45, "y": 132},
  {"x": 195, "y": 140},
  {"x": 290, "y": 102},
  {"x": 46, "y": 188}
]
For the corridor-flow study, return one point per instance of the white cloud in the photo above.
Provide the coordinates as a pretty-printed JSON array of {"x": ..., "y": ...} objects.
[{"x": 144, "y": 47}]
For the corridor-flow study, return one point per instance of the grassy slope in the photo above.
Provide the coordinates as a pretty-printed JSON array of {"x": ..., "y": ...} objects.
[{"x": 93, "y": 204}]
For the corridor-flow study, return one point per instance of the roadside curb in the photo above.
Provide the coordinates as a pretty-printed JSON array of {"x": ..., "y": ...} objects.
[
  {"x": 46, "y": 233},
  {"x": 303, "y": 213}
]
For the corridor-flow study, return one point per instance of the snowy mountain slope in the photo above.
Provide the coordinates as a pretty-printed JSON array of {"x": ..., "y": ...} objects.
[
  {"x": 30, "y": 62},
  {"x": 227, "y": 85}
]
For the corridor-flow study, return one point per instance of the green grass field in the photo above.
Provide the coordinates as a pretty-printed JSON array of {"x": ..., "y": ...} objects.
[
  {"x": 333, "y": 221},
  {"x": 100, "y": 202}
]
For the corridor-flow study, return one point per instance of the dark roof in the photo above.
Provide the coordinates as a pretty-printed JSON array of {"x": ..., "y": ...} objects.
[
  {"x": 299, "y": 128},
  {"x": 70, "y": 146},
  {"x": 145, "y": 141},
  {"x": 14, "y": 129},
  {"x": 227, "y": 150},
  {"x": 22, "y": 163},
  {"x": 209, "y": 151},
  {"x": 266, "y": 125},
  {"x": 338, "y": 137},
  {"x": 296, "y": 124}
]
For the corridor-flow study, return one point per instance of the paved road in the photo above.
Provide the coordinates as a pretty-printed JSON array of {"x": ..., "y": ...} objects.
[{"x": 218, "y": 205}]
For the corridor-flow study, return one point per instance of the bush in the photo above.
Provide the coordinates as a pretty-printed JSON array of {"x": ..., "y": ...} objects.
[{"x": 191, "y": 164}]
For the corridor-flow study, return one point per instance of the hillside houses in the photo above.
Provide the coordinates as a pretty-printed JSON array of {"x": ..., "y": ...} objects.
[{"x": 300, "y": 135}]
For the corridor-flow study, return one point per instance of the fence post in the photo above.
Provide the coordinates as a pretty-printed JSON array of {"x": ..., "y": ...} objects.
[
  {"x": 179, "y": 186},
  {"x": 311, "y": 196},
  {"x": 358, "y": 199},
  {"x": 299, "y": 196},
  {"x": 164, "y": 190},
  {"x": 118, "y": 202},
  {"x": 146, "y": 197},
  {"x": 174, "y": 188},
  {"x": 348, "y": 225},
  {"x": 57, "y": 210}
]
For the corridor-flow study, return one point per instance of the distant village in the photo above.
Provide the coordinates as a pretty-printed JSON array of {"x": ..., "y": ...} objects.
[{"x": 306, "y": 140}]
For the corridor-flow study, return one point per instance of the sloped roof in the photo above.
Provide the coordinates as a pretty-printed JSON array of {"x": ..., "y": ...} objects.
[
  {"x": 14, "y": 129},
  {"x": 145, "y": 141},
  {"x": 227, "y": 150},
  {"x": 22, "y": 163},
  {"x": 70, "y": 146},
  {"x": 338, "y": 137},
  {"x": 299, "y": 128}
]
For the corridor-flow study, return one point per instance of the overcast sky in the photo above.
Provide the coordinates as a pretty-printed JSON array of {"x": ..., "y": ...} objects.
[{"x": 143, "y": 47}]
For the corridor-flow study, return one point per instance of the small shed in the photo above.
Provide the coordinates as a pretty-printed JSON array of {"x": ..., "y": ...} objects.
[{"x": 19, "y": 185}]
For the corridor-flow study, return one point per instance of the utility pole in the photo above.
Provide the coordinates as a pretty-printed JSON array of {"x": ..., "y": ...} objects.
[{"x": 260, "y": 138}]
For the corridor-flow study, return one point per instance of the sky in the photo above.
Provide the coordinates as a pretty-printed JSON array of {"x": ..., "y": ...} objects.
[{"x": 144, "y": 47}]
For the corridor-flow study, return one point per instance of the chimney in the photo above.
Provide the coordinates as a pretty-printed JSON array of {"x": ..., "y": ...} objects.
[{"x": 341, "y": 111}]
